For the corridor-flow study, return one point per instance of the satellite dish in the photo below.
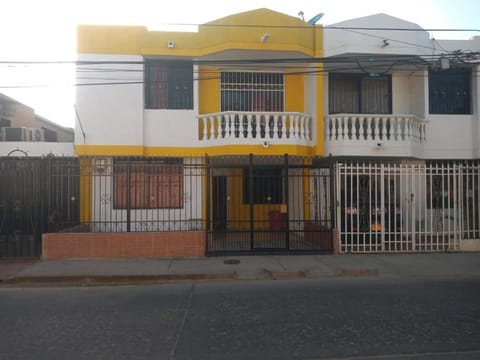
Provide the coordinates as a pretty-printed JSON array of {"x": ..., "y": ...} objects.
[{"x": 315, "y": 19}]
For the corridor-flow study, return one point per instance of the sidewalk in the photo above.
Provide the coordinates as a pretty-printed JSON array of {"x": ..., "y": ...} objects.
[{"x": 132, "y": 271}]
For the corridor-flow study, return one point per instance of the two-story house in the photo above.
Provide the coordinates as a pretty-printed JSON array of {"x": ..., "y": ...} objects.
[
  {"x": 402, "y": 123},
  {"x": 216, "y": 131}
]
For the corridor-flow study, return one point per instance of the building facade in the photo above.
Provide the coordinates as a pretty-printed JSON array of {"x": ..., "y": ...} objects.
[
  {"x": 262, "y": 132},
  {"x": 214, "y": 130},
  {"x": 402, "y": 123}
]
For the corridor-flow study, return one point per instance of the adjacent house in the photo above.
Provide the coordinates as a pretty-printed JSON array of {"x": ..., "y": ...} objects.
[
  {"x": 402, "y": 124},
  {"x": 25, "y": 133}
]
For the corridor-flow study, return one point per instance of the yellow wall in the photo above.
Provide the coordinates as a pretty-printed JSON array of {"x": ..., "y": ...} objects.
[
  {"x": 125, "y": 150},
  {"x": 236, "y": 32},
  {"x": 232, "y": 32},
  {"x": 239, "y": 211},
  {"x": 294, "y": 92},
  {"x": 86, "y": 190},
  {"x": 209, "y": 90}
]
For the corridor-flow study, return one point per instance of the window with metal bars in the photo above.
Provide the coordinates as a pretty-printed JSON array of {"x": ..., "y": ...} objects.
[
  {"x": 449, "y": 91},
  {"x": 168, "y": 84},
  {"x": 148, "y": 184},
  {"x": 252, "y": 91}
]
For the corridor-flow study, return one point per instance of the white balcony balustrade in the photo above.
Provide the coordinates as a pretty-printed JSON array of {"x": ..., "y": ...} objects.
[
  {"x": 367, "y": 134},
  {"x": 243, "y": 127}
]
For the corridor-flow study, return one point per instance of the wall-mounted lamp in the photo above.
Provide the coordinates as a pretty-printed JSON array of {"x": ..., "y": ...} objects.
[{"x": 264, "y": 38}]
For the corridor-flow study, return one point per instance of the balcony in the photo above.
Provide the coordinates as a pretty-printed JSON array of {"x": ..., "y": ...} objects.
[
  {"x": 375, "y": 135},
  {"x": 253, "y": 128}
]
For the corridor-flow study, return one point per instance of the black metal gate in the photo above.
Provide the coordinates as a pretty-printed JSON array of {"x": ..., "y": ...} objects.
[
  {"x": 268, "y": 204},
  {"x": 36, "y": 195}
]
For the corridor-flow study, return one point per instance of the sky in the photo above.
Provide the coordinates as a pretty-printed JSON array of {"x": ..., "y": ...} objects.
[{"x": 34, "y": 30}]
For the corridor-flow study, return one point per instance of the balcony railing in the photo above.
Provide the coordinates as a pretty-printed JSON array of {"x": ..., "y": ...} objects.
[
  {"x": 375, "y": 127},
  {"x": 242, "y": 127},
  {"x": 395, "y": 134}
]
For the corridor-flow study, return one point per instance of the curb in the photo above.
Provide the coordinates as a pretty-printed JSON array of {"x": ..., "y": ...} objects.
[
  {"x": 112, "y": 280},
  {"x": 103, "y": 280}
]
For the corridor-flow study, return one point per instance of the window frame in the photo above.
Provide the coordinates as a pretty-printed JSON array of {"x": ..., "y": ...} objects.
[
  {"x": 168, "y": 84},
  {"x": 442, "y": 93},
  {"x": 147, "y": 179},
  {"x": 258, "y": 91},
  {"x": 357, "y": 80}
]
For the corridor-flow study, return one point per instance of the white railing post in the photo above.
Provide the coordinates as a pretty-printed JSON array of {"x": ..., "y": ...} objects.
[{"x": 369, "y": 128}]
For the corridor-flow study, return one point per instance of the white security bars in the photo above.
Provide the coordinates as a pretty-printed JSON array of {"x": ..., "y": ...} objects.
[{"x": 407, "y": 208}]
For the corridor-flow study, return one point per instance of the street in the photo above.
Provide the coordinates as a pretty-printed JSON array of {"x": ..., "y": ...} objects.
[{"x": 405, "y": 318}]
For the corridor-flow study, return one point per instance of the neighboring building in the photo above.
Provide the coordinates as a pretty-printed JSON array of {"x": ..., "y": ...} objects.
[
  {"x": 24, "y": 133},
  {"x": 261, "y": 132},
  {"x": 402, "y": 125}
]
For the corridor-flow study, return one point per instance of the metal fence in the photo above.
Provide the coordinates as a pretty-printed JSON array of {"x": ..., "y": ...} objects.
[
  {"x": 268, "y": 204},
  {"x": 395, "y": 207},
  {"x": 33, "y": 201},
  {"x": 243, "y": 204}
]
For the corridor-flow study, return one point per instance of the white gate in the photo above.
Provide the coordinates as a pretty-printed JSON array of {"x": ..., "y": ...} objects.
[{"x": 413, "y": 207}]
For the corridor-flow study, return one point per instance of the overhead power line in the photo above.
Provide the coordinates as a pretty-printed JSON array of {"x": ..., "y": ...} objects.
[{"x": 308, "y": 26}]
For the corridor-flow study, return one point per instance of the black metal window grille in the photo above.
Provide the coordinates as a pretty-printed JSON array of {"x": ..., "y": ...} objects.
[
  {"x": 360, "y": 94},
  {"x": 450, "y": 91},
  {"x": 252, "y": 91},
  {"x": 168, "y": 84},
  {"x": 267, "y": 186}
]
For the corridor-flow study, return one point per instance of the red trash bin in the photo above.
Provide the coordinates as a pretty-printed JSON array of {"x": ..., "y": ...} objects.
[{"x": 277, "y": 221}]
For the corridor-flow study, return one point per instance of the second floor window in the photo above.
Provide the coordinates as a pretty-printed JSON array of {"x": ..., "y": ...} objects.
[
  {"x": 252, "y": 91},
  {"x": 449, "y": 91},
  {"x": 359, "y": 94},
  {"x": 168, "y": 84}
]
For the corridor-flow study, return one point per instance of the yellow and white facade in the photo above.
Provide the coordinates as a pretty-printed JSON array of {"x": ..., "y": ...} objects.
[
  {"x": 114, "y": 118},
  {"x": 241, "y": 86}
]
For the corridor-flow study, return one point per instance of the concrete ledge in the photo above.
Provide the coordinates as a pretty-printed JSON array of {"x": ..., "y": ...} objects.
[
  {"x": 105, "y": 280},
  {"x": 123, "y": 245},
  {"x": 470, "y": 245}
]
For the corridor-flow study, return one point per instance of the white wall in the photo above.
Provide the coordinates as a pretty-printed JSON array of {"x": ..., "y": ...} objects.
[
  {"x": 115, "y": 114},
  {"x": 339, "y": 41},
  {"x": 171, "y": 128},
  {"x": 450, "y": 137},
  {"x": 110, "y": 114}
]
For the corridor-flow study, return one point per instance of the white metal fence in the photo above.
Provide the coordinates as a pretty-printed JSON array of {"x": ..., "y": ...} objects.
[{"x": 407, "y": 207}]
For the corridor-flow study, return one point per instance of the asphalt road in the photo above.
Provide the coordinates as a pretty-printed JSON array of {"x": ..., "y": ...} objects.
[{"x": 307, "y": 319}]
